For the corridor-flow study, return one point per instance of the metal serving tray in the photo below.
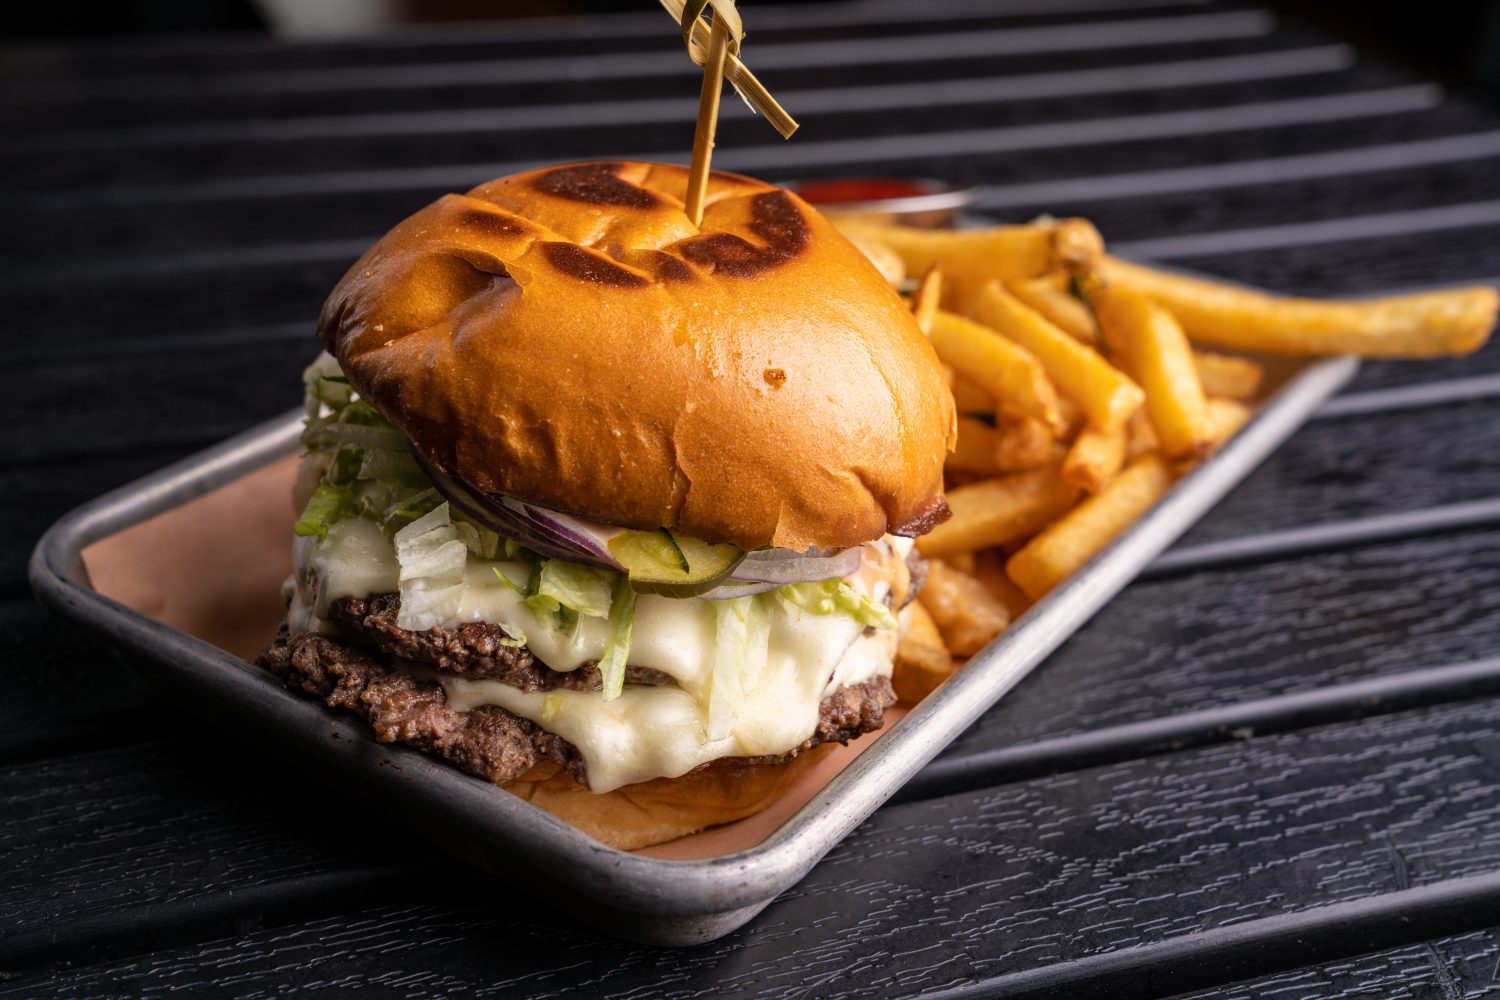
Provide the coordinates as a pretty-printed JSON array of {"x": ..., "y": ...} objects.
[{"x": 642, "y": 898}]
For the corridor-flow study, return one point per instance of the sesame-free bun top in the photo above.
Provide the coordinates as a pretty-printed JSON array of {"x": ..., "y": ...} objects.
[{"x": 568, "y": 336}]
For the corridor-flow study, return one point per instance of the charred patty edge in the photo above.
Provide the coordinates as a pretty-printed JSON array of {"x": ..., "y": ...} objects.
[{"x": 488, "y": 741}]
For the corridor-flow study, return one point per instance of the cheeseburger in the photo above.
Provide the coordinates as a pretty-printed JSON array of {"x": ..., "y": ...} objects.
[{"x": 608, "y": 508}]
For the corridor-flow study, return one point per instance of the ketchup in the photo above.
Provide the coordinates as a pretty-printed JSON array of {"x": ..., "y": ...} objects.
[{"x": 871, "y": 189}]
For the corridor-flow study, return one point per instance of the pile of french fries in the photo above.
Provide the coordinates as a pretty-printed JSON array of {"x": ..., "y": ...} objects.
[{"x": 1086, "y": 385}]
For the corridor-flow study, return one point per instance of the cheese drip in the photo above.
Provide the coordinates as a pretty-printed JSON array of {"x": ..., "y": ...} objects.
[{"x": 648, "y": 732}]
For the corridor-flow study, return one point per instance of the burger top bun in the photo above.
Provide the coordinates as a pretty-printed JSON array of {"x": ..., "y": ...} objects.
[{"x": 568, "y": 336}]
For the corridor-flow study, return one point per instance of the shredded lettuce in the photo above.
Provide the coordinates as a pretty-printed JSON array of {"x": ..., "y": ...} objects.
[
  {"x": 551, "y": 705},
  {"x": 827, "y": 597},
  {"x": 328, "y": 503},
  {"x": 432, "y": 560},
  {"x": 617, "y": 648},
  {"x": 412, "y": 508},
  {"x": 562, "y": 584}
]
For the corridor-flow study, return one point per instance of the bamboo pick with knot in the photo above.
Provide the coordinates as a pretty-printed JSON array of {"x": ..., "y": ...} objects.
[{"x": 716, "y": 48}]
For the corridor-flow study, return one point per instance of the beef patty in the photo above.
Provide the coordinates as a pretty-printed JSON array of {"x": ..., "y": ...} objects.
[
  {"x": 474, "y": 650},
  {"x": 487, "y": 741}
]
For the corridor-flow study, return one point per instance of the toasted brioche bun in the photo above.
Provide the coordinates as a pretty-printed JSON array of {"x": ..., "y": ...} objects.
[
  {"x": 654, "y": 812},
  {"x": 568, "y": 336}
]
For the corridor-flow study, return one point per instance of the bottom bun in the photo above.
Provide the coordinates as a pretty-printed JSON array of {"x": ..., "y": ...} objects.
[{"x": 663, "y": 809}]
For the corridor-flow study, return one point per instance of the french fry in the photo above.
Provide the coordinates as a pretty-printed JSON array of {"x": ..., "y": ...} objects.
[
  {"x": 927, "y": 297},
  {"x": 1227, "y": 376},
  {"x": 998, "y": 512},
  {"x": 1050, "y": 297},
  {"x": 886, "y": 260},
  {"x": 922, "y": 660},
  {"x": 989, "y": 569},
  {"x": 1006, "y": 252},
  {"x": 1023, "y": 444},
  {"x": 1107, "y": 396},
  {"x": 1011, "y": 375},
  {"x": 1073, "y": 539},
  {"x": 964, "y": 612},
  {"x": 1095, "y": 458},
  {"x": 1226, "y": 417},
  {"x": 1072, "y": 418},
  {"x": 1147, "y": 342},
  {"x": 1140, "y": 437},
  {"x": 978, "y": 445},
  {"x": 1425, "y": 325},
  {"x": 961, "y": 561},
  {"x": 969, "y": 398}
]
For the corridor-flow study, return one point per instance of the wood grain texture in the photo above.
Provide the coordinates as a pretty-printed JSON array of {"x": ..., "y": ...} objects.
[
  {"x": 1458, "y": 968},
  {"x": 1333, "y": 470},
  {"x": 968, "y": 890}
]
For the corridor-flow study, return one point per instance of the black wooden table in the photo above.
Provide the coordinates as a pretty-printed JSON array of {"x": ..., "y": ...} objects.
[{"x": 1269, "y": 769}]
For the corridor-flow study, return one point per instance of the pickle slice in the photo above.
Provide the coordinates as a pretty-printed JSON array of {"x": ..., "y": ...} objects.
[{"x": 661, "y": 562}]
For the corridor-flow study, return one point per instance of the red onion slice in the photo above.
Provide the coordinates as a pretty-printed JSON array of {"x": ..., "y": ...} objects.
[
  {"x": 563, "y": 536},
  {"x": 782, "y": 566}
]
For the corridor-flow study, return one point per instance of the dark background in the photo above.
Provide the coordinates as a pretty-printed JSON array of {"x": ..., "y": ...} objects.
[{"x": 1456, "y": 42}]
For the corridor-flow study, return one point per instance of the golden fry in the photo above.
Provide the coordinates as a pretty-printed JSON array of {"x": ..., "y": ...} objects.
[
  {"x": 998, "y": 512},
  {"x": 989, "y": 569},
  {"x": 1104, "y": 394},
  {"x": 978, "y": 445},
  {"x": 1006, "y": 252},
  {"x": 1228, "y": 376},
  {"x": 1023, "y": 444},
  {"x": 964, "y": 612},
  {"x": 1146, "y": 341},
  {"x": 1140, "y": 437},
  {"x": 927, "y": 297},
  {"x": 1226, "y": 417},
  {"x": 1009, "y": 373},
  {"x": 1072, "y": 418},
  {"x": 922, "y": 660},
  {"x": 1050, "y": 297},
  {"x": 1425, "y": 325},
  {"x": 1074, "y": 539},
  {"x": 1095, "y": 458},
  {"x": 961, "y": 561},
  {"x": 969, "y": 398}
]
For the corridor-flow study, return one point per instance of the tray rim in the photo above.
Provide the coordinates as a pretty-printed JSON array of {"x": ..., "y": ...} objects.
[{"x": 671, "y": 902}]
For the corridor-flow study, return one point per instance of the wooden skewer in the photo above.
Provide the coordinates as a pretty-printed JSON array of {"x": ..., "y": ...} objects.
[{"x": 708, "y": 120}]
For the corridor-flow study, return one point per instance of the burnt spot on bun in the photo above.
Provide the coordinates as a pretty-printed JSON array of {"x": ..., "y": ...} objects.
[
  {"x": 491, "y": 223},
  {"x": 594, "y": 184},
  {"x": 775, "y": 219},
  {"x": 597, "y": 269},
  {"x": 933, "y": 514},
  {"x": 669, "y": 268}
]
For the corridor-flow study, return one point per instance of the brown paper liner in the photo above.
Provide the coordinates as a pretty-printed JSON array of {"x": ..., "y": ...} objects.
[{"x": 214, "y": 568}]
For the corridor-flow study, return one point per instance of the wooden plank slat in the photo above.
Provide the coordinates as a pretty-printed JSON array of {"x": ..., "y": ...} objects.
[
  {"x": 1452, "y": 968},
  {"x": 1176, "y": 872}
]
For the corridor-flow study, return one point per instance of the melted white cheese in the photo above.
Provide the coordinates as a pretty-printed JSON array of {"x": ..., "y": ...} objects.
[{"x": 647, "y": 732}]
